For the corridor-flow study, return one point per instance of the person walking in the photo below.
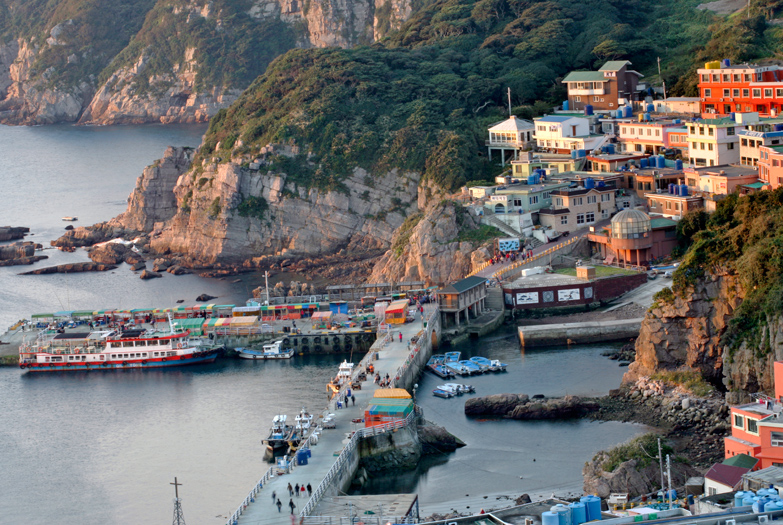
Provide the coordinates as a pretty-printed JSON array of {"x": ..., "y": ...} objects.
[
  {"x": 290, "y": 490},
  {"x": 309, "y": 490},
  {"x": 274, "y": 497},
  {"x": 296, "y": 490},
  {"x": 302, "y": 490},
  {"x": 353, "y": 402},
  {"x": 279, "y": 506},
  {"x": 292, "y": 505},
  {"x": 401, "y": 337}
]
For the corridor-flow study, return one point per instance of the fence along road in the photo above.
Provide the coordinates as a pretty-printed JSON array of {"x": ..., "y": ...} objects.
[{"x": 335, "y": 449}]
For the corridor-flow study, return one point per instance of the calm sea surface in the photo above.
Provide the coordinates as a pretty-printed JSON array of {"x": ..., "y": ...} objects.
[{"x": 89, "y": 448}]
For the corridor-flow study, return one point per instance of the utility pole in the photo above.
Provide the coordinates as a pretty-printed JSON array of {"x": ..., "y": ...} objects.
[
  {"x": 509, "y": 102},
  {"x": 669, "y": 475},
  {"x": 266, "y": 280},
  {"x": 660, "y": 462},
  {"x": 663, "y": 83},
  {"x": 179, "y": 518}
]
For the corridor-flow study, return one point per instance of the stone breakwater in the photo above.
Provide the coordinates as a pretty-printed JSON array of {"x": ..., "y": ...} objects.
[{"x": 523, "y": 407}]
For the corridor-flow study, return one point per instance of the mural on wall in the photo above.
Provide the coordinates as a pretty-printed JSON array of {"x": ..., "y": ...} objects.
[
  {"x": 508, "y": 245},
  {"x": 527, "y": 298},
  {"x": 571, "y": 294}
]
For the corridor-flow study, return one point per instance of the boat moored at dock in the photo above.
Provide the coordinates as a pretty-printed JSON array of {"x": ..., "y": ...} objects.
[
  {"x": 436, "y": 366},
  {"x": 279, "y": 436},
  {"x": 472, "y": 367},
  {"x": 483, "y": 363},
  {"x": 457, "y": 388},
  {"x": 271, "y": 351},
  {"x": 112, "y": 350},
  {"x": 497, "y": 366},
  {"x": 445, "y": 394}
]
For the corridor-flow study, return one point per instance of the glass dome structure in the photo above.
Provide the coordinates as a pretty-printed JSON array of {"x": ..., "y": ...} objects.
[{"x": 630, "y": 224}]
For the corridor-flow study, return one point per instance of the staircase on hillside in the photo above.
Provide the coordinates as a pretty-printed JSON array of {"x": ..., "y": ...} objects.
[
  {"x": 494, "y": 299},
  {"x": 491, "y": 220}
]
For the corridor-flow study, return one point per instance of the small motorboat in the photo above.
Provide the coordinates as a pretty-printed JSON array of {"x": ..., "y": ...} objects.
[
  {"x": 451, "y": 357},
  {"x": 498, "y": 366},
  {"x": 436, "y": 366},
  {"x": 457, "y": 369},
  {"x": 483, "y": 363},
  {"x": 271, "y": 351},
  {"x": 457, "y": 389},
  {"x": 442, "y": 393},
  {"x": 472, "y": 367},
  {"x": 70, "y": 219}
]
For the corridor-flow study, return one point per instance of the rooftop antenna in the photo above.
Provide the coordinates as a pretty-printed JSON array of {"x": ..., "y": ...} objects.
[
  {"x": 509, "y": 102},
  {"x": 663, "y": 83},
  {"x": 179, "y": 519}
]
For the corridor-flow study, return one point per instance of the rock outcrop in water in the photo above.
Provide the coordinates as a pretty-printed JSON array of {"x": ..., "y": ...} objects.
[
  {"x": 12, "y": 233},
  {"x": 522, "y": 407},
  {"x": 72, "y": 268},
  {"x": 19, "y": 253}
]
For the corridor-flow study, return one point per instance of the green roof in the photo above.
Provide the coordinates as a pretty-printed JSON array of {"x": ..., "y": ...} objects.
[
  {"x": 756, "y": 185},
  {"x": 614, "y": 65},
  {"x": 662, "y": 223},
  {"x": 779, "y": 149},
  {"x": 465, "y": 284},
  {"x": 585, "y": 76},
  {"x": 725, "y": 121},
  {"x": 742, "y": 461}
]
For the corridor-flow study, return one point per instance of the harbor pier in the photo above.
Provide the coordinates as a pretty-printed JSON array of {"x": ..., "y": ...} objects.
[{"x": 334, "y": 452}]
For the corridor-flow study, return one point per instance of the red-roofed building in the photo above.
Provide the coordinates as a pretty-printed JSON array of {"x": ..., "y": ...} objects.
[{"x": 723, "y": 478}]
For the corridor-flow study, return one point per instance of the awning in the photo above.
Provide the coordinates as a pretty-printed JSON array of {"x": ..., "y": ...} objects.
[
  {"x": 247, "y": 308},
  {"x": 190, "y": 324},
  {"x": 64, "y": 313},
  {"x": 218, "y": 321},
  {"x": 244, "y": 320},
  {"x": 83, "y": 313},
  {"x": 322, "y": 315},
  {"x": 397, "y": 306},
  {"x": 42, "y": 316},
  {"x": 392, "y": 393}
]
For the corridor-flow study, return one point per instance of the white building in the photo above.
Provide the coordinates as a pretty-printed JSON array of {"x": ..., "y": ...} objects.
[
  {"x": 714, "y": 141},
  {"x": 512, "y": 135},
  {"x": 562, "y": 134}
]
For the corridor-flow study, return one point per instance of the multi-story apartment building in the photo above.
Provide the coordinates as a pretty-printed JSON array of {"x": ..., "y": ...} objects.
[
  {"x": 509, "y": 138},
  {"x": 579, "y": 207},
  {"x": 610, "y": 87},
  {"x": 771, "y": 165},
  {"x": 713, "y": 142},
  {"x": 758, "y": 132},
  {"x": 648, "y": 137},
  {"x": 563, "y": 134},
  {"x": 726, "y": 89}
]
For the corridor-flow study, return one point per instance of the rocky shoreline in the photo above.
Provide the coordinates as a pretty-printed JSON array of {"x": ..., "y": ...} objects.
[{"x": 523, "y": 407}]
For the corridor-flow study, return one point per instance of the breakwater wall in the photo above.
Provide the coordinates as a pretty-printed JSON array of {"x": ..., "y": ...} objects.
[
  {"x": 421, "y": 350},
  {"x": 578, "y": 333},
  {"x": 306, "y": 343}
]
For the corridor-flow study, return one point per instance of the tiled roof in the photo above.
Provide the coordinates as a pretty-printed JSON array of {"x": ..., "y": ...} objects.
[
  {"x": 741, "y": 460},
  {"x": 726, "y": 474},
  {"x": 614, "y": 65}
]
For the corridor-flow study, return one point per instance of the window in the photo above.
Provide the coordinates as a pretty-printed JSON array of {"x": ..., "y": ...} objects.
[
  {"x": 657, "y": 133},
  {"x": 577, "y": 99},
  {"x": 606, "y": 197},
  {"x": 564, "y": 219},
  {"x": 767, "y": 92},
  {"x": 730, "y": 145},
  {"x": 726, "y": 77},
  {"x": 736, "y": 78},
  {"x": 735, "y": 92},
  {"x": 710, "y": 132},
  {"x": 533, "y": 199},
  {"x": 625, "y": 130},
  {"x": 578, "y": 201},
  {"x": 580, "y": 218},
  {"x": 590, "y": 217},
  {"x": 729, "y": 131},
  {"x": 747, "y": 77},
  {"x": 709, "y": 146},
  {"x": 753, "y": 426},
  {"x": 626, "y": 204},
  {"x": 776, "y": 439},
  {"x": 745, "y": 93},
  {"x": 744, "y": 142},
  {"x": 726, "y": 93},
  {"x": 668, "y": 205},
  {"x": 756, "y": 92},
  {"x": 701, "y": 130},
  {"x": 592, "y": 199},
  {"x": 701, "y": 145}
]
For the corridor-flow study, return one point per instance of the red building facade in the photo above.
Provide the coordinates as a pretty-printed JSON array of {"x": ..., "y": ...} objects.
[{"x": 726, "y": 89}]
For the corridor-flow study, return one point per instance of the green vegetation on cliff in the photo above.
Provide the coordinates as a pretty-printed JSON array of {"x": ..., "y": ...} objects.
[{"x": 744, "y": 236}]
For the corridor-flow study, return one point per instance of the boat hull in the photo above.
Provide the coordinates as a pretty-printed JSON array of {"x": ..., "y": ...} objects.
[
  {"x": 245, "y": 355},
  {"x": 165, "y": 362}
]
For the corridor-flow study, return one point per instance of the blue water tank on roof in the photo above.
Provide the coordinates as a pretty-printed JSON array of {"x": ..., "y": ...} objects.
[
  {"x": 661, "y": 161},
  {"x": 531, "y": 179},
  {"x": 671, "y": 188},
  {"x": 650, "y": 108},
  {"x": 778, "y": 127},
  {"x": 589, "y": 183},
  {"x": 747, "y": 501},
  {"x": 582, "y": 153},
  {"x": 676, "y": 121},
  {"x": 627, "y": 111},
  {"x": 610, "y": 149},
  {"x": 593, "y": 504},
  {"x": 678, "y": 164},
  {"x": 574, "y": 154},
  {"x": 684, "y": 190},
  {"x": 646, "y": 117},
  {"x": 738, "y": 497},
  {"x": 550, "y": 518},
  {"x": 588, "y": 109},
  {"x": 601, "y": 184},
  {"x": 619, "y": 113},
  {"x": 578, "y": 513},
  {"x": 565, "y": 105},
  {"x": 643, "y": 163},
  {"x": 563, "y": 513},
  {"x": 726, "y": 62}
]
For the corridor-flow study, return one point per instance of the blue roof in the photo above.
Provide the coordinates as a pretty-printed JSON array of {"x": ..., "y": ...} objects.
[{"x": 553, "y": 118}]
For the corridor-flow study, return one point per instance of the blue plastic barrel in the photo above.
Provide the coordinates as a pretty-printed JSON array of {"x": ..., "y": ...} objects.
[
  {"x": 573, "y": 153},
  {"x": 593, "y": 504},
  {"x": 726, "y": 62},
  {"x": 618, "y": 113},
  {"x": 588, "y": 109},
  {"x": 647, "y": 117},
  {"x": 650, "y": 108},
  {"x": 627, "y": 111},
  {"x": 738, "y": 497},
  {"x": 550, "y": 518},
  {"x": 582, "y": 153},
  {"x": 589, "y": 183},
  {"x": 684, "y": 190},
  {"x": 601, "y": 184},
  {"x": 563, "y": 514},
  {"x": 643, "y": 163},
  {"x": 747, "y": 501},
  {"x": 676, "y": 121},
  {"x": 661, "y": 161},
  {"x": 610, "y": 149},
  {"x": 671, "y": 188},
  {"x": 578, "y": 513},
  {"x": 565, "y": 105},
  {"x": 531, "y": 179},
  {"x": 678, "y": 164}
]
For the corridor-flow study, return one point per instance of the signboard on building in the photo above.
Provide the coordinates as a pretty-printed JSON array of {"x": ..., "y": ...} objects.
[
  {"x": 508, "y": 244},
  {"x": 527, "y": 298},
  {"x": 572, "y": 294}
]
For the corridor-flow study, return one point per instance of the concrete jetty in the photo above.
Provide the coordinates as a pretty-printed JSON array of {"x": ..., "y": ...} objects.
[
  {"x": 335, "y": 456},
  {"x": 578, "y": 333}
]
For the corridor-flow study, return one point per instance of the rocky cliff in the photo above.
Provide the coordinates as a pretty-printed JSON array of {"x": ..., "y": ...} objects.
[{"x": 168, "y": 61}]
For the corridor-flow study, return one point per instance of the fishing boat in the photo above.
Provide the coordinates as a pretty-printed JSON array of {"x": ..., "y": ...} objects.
[
  {"x": 457, "y": 388},
  {"x": 498, "y": 366},
  {"x": 483, "y": 363},
  {"x": 302, "y": 423},
  {"x": 472, "y": 367},
  {"x": 279, "y": 435},
  {"x": 271, "y": 351},
  {"x": 442, "y": 393},
  {"x": 112, "y": 350},
  {"x": 451, "y": 362},
  {"x": 436, "y": 366}
]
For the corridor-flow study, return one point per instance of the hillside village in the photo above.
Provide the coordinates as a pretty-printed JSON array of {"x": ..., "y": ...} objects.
[{"x": 618, "y": 144}]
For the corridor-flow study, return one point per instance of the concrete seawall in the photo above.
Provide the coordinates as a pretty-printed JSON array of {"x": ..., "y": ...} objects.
[{"x": 577, "y": 333}]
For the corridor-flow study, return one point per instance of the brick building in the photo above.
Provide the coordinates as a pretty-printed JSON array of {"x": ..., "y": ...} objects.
[{"x": 610, "y": 87}]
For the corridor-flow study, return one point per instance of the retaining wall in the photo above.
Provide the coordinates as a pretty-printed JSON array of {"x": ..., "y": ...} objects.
[{"x": 578, "y": 333}]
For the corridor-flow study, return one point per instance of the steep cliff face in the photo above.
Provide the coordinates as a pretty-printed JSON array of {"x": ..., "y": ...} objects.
[
  {"x": 427, "y": 248},
  {"x": 234, "y": 216},
  {"x": 189, "y": 59}
]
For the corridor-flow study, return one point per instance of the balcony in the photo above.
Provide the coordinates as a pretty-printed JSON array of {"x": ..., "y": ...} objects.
[{"x": 586, "y": 92}]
